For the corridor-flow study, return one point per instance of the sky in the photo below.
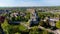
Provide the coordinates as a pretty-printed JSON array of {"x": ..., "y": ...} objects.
[{"x": 25, "y": 3}]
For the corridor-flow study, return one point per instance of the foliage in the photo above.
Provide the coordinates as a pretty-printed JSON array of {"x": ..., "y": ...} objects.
[
  {"x": 45, "y": 32},
  {"x": 17, "y": 33},
  {"x": 34, "y": 30},
  {"x": 18, "y": 18},
  {"x": 22, "y": 28},
  {"x": 6, "y": 27},
  {"x": 17, "y": 29},
  {"x": 21, "y": 18},
  {"x": 58, "y": 24}
]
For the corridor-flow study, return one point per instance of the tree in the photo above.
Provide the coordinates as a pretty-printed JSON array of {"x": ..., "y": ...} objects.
[
  {"x": 18, "y": 18},
  {"x": 45, "y": 32},
  {"x": 10, "y": 29},
  {"x": 34, "y": 30},
  {"x": 22, "y": 28},
  {"x": 58, "y": 24},
  {"x": 17, "y": 33},
  {"x": 13, "y": 18},
  {"x": 5, "y": 27}
]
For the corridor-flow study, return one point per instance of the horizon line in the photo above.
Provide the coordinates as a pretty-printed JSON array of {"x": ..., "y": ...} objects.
[{"x": 30, "y": 6}]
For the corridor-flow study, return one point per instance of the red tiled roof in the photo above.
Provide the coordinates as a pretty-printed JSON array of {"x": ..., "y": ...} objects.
[{"x": 2, "y": 19}]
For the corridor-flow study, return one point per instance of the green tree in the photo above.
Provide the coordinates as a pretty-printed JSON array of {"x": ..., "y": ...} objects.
[
  {"x": 18, "y": 18},
  {"x": 58, "y": 24},
  {"x": 17, "y": 33},
  {"x": 13, "y": 18},
  {"x": 5, "y": 27},
  {"x": 34, "y": 30}
]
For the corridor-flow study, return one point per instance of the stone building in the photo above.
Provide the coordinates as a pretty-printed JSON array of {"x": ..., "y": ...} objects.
[{"x": 33, "y": 17}]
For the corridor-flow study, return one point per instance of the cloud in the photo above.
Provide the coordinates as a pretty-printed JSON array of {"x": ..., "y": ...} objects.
[{"x": 29, "y": 2}]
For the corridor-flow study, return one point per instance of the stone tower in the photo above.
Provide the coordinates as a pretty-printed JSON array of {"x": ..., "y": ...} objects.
[{"x": 33, "y": 17}]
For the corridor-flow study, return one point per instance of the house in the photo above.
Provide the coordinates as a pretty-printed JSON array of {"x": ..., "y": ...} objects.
[
  {"x": 22, "y": 14},
  {"x": 14, "y": 14},
  {"x": 52, "y": 21},
  {"x": 2, "y": 11}
]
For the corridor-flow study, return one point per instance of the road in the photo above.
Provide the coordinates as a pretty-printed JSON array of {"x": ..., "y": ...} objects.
[{"x": 49, "y": 30}]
